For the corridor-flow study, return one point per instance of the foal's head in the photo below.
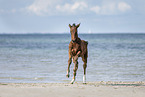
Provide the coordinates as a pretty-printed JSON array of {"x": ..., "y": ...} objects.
[{"x": 73, "y": 31}]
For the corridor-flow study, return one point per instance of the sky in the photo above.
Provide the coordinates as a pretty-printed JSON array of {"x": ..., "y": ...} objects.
[{"x": 54, "y": 16}]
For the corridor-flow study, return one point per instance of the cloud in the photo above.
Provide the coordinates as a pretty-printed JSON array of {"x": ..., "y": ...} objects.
[
  {"x": 42, "y": 7},
  {"x": 72, "y": 8},
  {"x": 1, "y": 10},
  {"x": 8, "y": 11},
  {"x": 54, "y": 7},
  {"x": 111, "y": 8},
  {"x": 122, "y": 6},
  {"x": 58, "y": 7},
  {"x": 13, "y": 10},
  {"x": 96, "y": 9},
  {"x": 105, "y": 9}
]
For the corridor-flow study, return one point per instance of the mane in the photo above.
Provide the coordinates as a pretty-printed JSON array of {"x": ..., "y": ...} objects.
[{"x": 74, "y": 25}]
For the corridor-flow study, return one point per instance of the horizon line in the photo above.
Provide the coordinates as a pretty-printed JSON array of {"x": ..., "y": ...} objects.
[{"x": 69, "y": 32}]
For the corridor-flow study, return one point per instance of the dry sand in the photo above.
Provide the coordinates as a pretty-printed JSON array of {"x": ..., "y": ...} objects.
[{"x": 91, "y": 89}]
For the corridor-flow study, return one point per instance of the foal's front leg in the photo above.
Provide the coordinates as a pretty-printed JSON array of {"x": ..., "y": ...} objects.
[
  {"x": 69, "y": 63},
  {"x": 69, "y": 60},
  {"x": 75, "y": 61}
]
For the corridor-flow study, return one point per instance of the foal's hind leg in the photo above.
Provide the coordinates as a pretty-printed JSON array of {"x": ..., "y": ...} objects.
[{"x": 84, "y": 66}]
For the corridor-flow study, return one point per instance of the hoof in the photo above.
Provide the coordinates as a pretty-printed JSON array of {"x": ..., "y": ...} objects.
[
  {"x": 84, "y": 82},
  {"x": 67, "y": 75},
  {"x": 73, "y": 80}
]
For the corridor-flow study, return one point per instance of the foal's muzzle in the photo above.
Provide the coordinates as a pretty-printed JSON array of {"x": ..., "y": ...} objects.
[{"x": 73, "y": 41}]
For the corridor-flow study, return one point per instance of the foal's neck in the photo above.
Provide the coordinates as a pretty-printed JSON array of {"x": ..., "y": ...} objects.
[{"x": 78, "y": 40}]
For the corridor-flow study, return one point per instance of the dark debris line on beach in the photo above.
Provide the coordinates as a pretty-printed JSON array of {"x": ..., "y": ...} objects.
[{"x": 125, "y": 84}]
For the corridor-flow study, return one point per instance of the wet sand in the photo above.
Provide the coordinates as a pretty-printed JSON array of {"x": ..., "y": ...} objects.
[{"x": 91, "y": 89}]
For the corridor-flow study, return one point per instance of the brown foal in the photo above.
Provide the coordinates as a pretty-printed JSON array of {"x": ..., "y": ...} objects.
[{"x": 77, "y": 48}]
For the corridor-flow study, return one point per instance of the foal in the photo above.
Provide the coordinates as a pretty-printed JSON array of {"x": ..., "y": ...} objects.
[{"x": 77, "y": 48}]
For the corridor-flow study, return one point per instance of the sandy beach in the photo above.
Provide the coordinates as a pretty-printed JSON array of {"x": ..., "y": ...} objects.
[{"x": 91, "y": 89}]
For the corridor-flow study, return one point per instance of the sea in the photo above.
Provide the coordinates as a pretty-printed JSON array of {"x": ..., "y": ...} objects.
[{"x": 43, "y": 58}]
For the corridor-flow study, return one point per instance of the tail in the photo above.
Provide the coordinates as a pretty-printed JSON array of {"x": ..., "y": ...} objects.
[
  {"x": 86, "y": 55},
  {"x": 85, "y": 49},
  {"x": 86, "y": 42}
]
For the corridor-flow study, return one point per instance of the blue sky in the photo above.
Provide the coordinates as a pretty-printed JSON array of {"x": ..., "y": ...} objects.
[{"x": 53, "y": 16}]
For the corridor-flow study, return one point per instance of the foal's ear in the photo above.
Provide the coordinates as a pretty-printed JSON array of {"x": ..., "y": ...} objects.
[
  {"x": 78, "y": 25},
  {"x": 70, "y": 26}
]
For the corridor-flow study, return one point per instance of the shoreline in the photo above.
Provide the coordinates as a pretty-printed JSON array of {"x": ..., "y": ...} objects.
[
  {"x": 99, "y": 83},
  {"x": 91, "y": 89}
]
